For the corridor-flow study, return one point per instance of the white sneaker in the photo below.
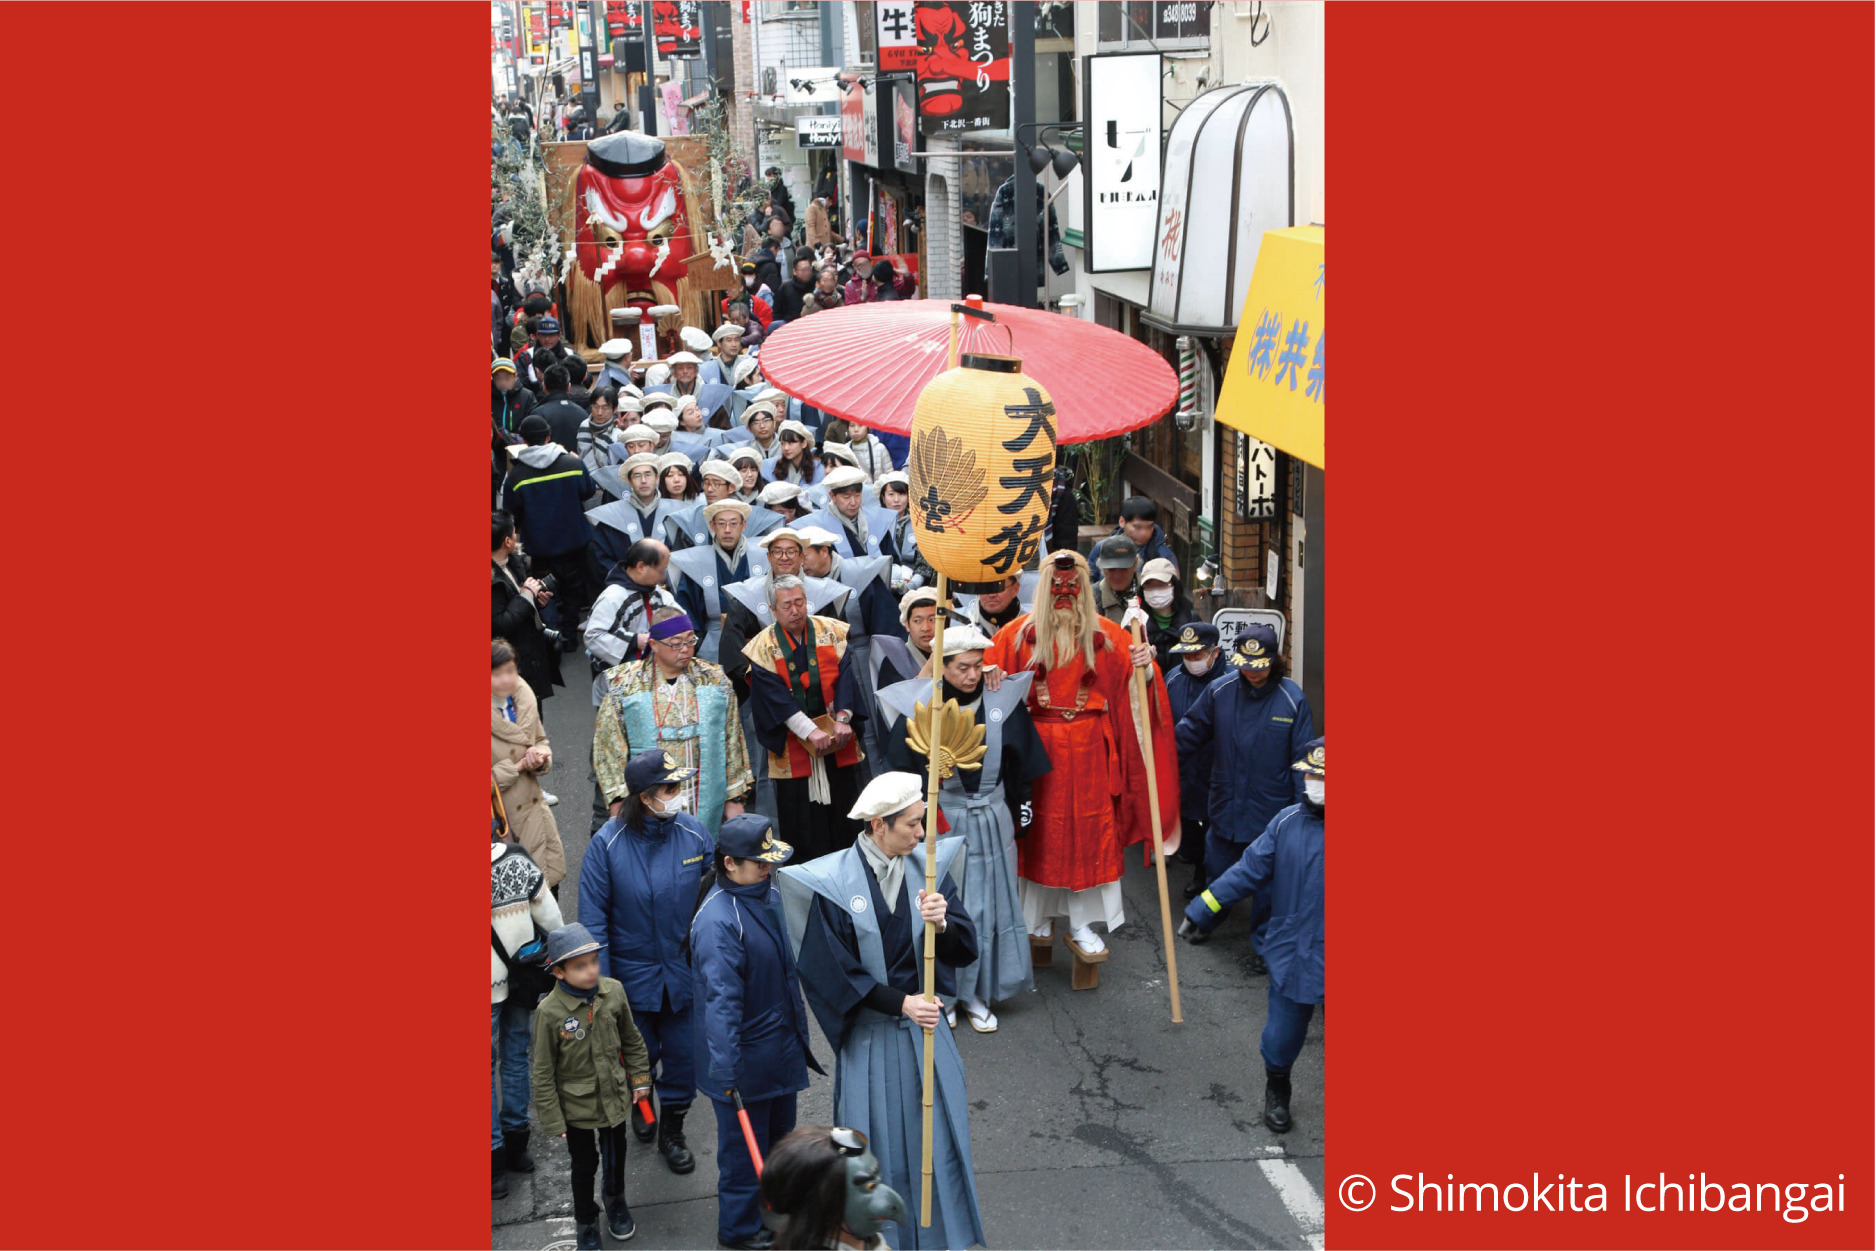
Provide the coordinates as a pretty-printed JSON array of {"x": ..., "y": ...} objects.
[
  {"x": 982, "y": 1019},
  {"x": 550, "y": 797},
  {"x": 1084, "y": 937}
]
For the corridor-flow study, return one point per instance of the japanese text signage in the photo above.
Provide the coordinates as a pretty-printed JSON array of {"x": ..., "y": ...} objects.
[
  {"x": 623, "y": 20},
  {"x": 1275, "y": 387},
  {"x": 963, "y": 65},
  {"x": 678, "y": 25},
  {"x": 1256, "y": 478},
  {"x": 893, "y": 27},
  {"x": 859, "y": 122},
  {"x": 1121, "y": 100}
]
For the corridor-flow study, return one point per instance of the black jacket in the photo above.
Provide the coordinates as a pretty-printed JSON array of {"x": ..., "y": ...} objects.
[
  {"x": 779, "y": 196},
  {"x": 769, "y": 272},
  {"x": 507, "y": 408},
  {"x": 540, "y": 362},
  {"x": 515, "y": 619},
  {"x": 788, "y": 298},
  {"x": 564, "y": 419}
]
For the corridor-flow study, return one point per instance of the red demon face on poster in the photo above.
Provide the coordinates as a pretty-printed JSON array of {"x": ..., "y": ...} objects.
[{"x": 633, "y": 229}]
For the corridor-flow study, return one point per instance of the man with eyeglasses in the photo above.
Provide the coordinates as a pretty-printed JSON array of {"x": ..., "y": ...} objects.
[{"x": 676, "y": 703}]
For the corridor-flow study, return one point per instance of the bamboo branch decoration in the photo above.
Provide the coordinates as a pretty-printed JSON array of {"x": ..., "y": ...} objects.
[{"x": 961, "y": 739}]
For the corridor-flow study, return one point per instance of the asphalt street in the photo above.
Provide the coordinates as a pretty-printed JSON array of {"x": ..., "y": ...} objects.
[{"x": 1096, "y": 1122}]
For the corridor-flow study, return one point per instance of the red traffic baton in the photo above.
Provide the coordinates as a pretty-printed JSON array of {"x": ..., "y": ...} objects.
[
  {"x": 749, "y": 1132},
  {"x": 644, "y": 1105}
]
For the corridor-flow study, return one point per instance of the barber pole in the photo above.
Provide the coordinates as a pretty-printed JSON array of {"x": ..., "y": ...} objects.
[{"x": 1188, "y": 381}]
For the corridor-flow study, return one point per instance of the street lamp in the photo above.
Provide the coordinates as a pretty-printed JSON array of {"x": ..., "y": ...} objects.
[{"x": 1044, "y": 155}]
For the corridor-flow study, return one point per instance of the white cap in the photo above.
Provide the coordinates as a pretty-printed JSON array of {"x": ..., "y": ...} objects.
[
  {"x": 726, "y": 506},
  {"x": 795, "y": 428},
  {"x": 780, "y": 493},
  {"x": 629, "y": 401},
  {"x": 657, "y": 374},
  {"x": 685, "y": 358},
  {"x": 665, "y": 310},
  {"x": 722, "y": 470},
  {"x": 898, "y": 478},
  {"x": 638, "y": 432},
  {"x": 694, "y": 339},
  {"x": 964, "y": 638},
  {"x": 724, "y": 331},
  {"x": 780, "y": 532},
  {"x": 814, "y": 536},
  {"x": 640, "y": 460},
  {"x": 913, "y": 598},
  {"x": 833, "y": 447},
  {"x": 744, "y": 366},
  {"x": 760, "y": 406},
  {"x": 843, "y": 477},
  {"x": 663, "y": 420},
  {"x": 1159, "y": 570},
  {"x": 742, "y": 451},
  {"x": 616, "y": 349},
  {"x": 886, "y": 794},
  {"x": 672, "y": 460}
]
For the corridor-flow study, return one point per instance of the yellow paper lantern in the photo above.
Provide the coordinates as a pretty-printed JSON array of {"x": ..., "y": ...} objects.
[{"x": 982, "y": 469}]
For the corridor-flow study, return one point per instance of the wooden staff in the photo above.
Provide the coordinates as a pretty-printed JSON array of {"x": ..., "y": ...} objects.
[
  {"x": 933, "y": 737},
  {"x": 1145, "y": 693}
]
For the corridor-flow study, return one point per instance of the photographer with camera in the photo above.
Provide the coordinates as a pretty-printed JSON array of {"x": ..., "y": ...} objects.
[{"x": 516, "y": 601}]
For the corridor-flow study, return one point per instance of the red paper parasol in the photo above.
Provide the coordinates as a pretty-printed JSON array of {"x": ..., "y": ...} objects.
[{"x": 868, "y": 362}]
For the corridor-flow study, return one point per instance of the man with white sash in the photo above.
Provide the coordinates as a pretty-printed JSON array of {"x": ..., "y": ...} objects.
[
  {"x": 989, "y": 805},
  {"x": 746, "y": 614},
  {"x": 639, "y": 515},
  {"x": 856, "y": 920},
  {"x": 699, "y": 574}
]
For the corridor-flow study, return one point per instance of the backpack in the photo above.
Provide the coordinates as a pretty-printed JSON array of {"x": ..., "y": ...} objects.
[{"x": 529, "y": 978}]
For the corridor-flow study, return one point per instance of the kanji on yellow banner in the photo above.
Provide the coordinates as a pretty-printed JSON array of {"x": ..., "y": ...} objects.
[{"x": 1273, "y": 390}]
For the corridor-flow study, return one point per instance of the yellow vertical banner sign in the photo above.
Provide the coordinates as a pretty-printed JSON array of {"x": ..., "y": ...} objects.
[{"x": 1274, "y": 389}]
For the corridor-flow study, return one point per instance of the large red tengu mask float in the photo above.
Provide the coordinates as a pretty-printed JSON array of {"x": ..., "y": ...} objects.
[{"x": 634, "y": 229}]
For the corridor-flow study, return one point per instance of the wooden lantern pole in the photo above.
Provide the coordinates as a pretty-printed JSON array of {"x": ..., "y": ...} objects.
[
  {"x": 1145, "y": 693},
  {"x": 934, "y": 736}
]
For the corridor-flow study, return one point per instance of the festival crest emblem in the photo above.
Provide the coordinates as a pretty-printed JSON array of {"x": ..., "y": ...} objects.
[{"x": 960, "y": 738}]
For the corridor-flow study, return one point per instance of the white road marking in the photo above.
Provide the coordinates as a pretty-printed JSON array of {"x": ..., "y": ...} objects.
[{"x": 1298, "y": 1196}]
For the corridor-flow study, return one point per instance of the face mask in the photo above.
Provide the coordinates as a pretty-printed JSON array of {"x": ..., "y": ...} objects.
[
  {"x": 1158, "y": 599},
  {"x": 679, "y": 804},
  {"x": 1197, "y": 666},
  {"x": 1312, "y": 787}
]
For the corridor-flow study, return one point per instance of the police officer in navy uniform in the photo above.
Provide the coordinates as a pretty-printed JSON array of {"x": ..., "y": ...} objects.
[
  {"x": 1258, "y": 725},
  {"x": 1284, "y": 864},
  {"x": 752, "y": 1025},
  {"x": 1196, "y": 646},
  {"x": 639, "y": 883}
]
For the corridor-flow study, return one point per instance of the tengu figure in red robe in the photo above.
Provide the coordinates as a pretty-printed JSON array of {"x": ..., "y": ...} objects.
[{"x": 1093, "y": 802}]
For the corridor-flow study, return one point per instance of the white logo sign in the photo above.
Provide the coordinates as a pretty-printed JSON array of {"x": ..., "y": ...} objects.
[{"x": 859, "y": 903}]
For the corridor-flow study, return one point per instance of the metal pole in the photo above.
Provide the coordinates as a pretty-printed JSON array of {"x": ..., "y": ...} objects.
[
  {"x": 648, "y": 93},
  {"x": 1022, "y": 112}
]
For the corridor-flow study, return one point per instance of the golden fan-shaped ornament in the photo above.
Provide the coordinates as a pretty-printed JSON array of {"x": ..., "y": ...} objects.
[{"x": 960, "y": 738}]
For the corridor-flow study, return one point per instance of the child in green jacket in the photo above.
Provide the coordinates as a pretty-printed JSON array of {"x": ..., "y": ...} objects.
[{"x": 589, "y": 1067}]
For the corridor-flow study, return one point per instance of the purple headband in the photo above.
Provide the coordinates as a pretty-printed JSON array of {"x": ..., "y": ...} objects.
[{"x": 679, "y": 624}]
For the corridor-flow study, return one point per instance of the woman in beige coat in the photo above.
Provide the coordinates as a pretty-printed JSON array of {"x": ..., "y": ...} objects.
[{"x": 518, "y": 754}]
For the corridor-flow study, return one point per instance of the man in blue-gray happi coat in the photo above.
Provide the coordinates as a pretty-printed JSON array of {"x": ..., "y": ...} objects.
[
  {"x": 857, "y": 919},
  {"x": 1258, "y": 725},
  {"x": 751, "y": 1026},
  {"x": 1284, "y": 864}
]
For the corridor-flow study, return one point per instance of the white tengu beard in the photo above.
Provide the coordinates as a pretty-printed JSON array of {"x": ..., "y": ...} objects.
[{"x": 1060, "y": 634}]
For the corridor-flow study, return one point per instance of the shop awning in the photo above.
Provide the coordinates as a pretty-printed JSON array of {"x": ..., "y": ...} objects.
[
  {"x": 1230, "y": 172},
  {"x": 1274, "y": 388}
]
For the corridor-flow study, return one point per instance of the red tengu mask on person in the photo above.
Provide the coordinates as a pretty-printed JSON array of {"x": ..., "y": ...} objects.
[{"x": 1066, "y": 587}]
